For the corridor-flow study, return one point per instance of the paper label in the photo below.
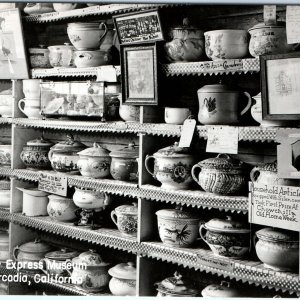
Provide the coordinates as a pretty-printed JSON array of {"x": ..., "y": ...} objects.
[
  {"x": 274, "y": 205},
  {"x": 106, "y": 73},
  {"x": 214, "y": 262},
  {"x": 187, "y": 133},
  {"x": 54, "y": 183},
  {"x": 270, "y": 14},
  {"x": 222, "y": 139},
  {"x": 293, "y": 24}
]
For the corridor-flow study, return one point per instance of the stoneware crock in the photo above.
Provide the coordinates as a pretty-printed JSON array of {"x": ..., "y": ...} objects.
[
  {"x": 176, "y": 287},
  {"x": 90, "y": 272},
  {"x": 61, "y": 208},
  {"x": 4, "y": 245},
  {"x": 94, "y": 162},
  {"x": 123, "y": 281},
  {"x": 223, "y": 290},
  {"x": 187, "y": 43},
  {"x": 226, "y": 237},
  {"x": 61, "y": 55},
  {"x": 5, "y": 194},
  {"x": 222, "y": 175},
  {"x": 226, "y": 44},
  {"x": 124, "y": 163},
  {"x": 35, "y": 154},
  {"x": 172, "y": 167},
  {"x": 39, "y": 57},
  {"x": 278, "y": 249},
  {"x": 177, "y": 228},
  {"x": 92, "y": 58},
  {"x": 64, "y": 155},
  {"x": 219, "y": 104},
  {"x": 126, "y": 219},
  {"x": 176, "y": 115},
  {"x": 5, "y": 155}
]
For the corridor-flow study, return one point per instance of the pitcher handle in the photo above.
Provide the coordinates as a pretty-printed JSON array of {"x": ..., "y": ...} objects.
[
  {"x": 254, "y": 174},
  {"x": 50, "y": 154},
  {"x": 105, "y": 30},
  {"x": 148, "y": 157},
  {"x": 19, "y": 105},
  {"x": 114, "y": 217},
  {"x": 248, "y": 104},
  {"x": 193, "y": 172}
]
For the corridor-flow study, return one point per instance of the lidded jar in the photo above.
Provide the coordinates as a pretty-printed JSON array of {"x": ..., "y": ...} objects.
[
  {"x": 172, "y": 167},
  {"x": 94, "y": 162},
  {"x": 124, "y": 163},
  {"x": 222, "y": 175}
]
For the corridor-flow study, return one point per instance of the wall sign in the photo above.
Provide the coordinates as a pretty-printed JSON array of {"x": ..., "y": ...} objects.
[
  {"x": 215, "y": 262},
  {"x": 54, "y": 183},
  {"x": 293, "y": 24},
  {"x": 274, "y": 205}
]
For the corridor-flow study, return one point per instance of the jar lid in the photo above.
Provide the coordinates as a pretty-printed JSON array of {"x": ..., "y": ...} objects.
[
  {"x": 62, "y": 254},
  {"x": 222, "y": 162},
  {"x": 90, "y": 25},
  {"x": 185, "y": 25},
  {"x": 35, "y": 246},
  {"x": 228, "y": 225},
  {"x": 220, "y": 290},
  {"x": 123, "y": 271},
  {"x": 95, "y": 151},
  {"x": 173, "y": 151},
  {"x": 89, "y": 258},
  {"x": 39, "y": 142},
  {"x": 127, "y": 209},
  {"x": 130, "y": 151},
  {"x": 4, "y": 184},
  {"x": 69, "y": 145},
  {"x": 216, "y": 88},
  {"x": 271, "y": 167},
  {"x": 277, "y": 235},
  {"x": 263, "y": 25},
  {"x": 177, "y": 213}
]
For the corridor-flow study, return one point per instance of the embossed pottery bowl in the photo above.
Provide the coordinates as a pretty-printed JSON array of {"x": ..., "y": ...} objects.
[
  {"x": 278, "y": 249},
  {"x": 123, "y": 281},
  {"x": 35, "y": 154},
  {"x": 223, "y": 290},
  {"x": 94, "y": 58},
  {"x": 227, "y": 238},
  {"x": 172, "y": 167},
  {"x": 221, "y": 175},
  {"x": 39, "y": 57},
  {"x": 5, "y": 194},
  {"x": 5, "y": 155},
  {"x": 126, "y": 219},
  {"x": 226, "y": 44},
  {"x": 61, "y": 55},
  {"x": 177, "y": 228}
]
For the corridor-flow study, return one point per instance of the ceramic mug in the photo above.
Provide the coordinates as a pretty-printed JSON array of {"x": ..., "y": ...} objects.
[
  {"x": 176, "y": 115},
  {"x": 31, "y": 88}
]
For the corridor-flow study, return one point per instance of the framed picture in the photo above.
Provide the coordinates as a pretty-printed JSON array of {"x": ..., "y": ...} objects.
[
  {"x": 13, "y": 60},
  {"x": 280, "y": 84},
  {"x": 139, "y": 74},
  {"x": 139, "y": 27}
]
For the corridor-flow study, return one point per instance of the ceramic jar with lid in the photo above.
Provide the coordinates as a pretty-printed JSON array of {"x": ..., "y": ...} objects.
[
  {"x": 58, "y": 262},
  {"x": 35, "y": 154},
  {"x": 94, "y": 162},
  {"x": 126, "y": 219},
  {"x": 226, "y": 237},
  {"x": 90, "y": 272},
  {"x": 123, "y": 281},
  {"x": 187, "y": 43},
  {"x": 5, "y": 194},
  {"x": 220, "y": 104},
  {"x": 39, "y": 57},
  {"x": 4, "y": 245},
  {"x": 177, "y": 228},
  {"x": 278, "y": 249},
  {"x": 222, "y": 175},
  {"x": 268, "y": 39},
  {"x": 223, "y": 290},
  {"x": 124, "y": 163},
  {"x": 61, "y": 55},
  {"x": 172, "y": 167},
  {"x": 64, "y": 155},
  {"x": 176, "y": 287}
]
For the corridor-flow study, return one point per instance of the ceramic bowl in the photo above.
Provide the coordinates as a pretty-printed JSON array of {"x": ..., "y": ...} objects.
[
  {"x": 176, "y": 115},
  {"x": 64, "y": 6},
  {"x": 5, "y": 155},
  {"x": 87, "y": 59}
]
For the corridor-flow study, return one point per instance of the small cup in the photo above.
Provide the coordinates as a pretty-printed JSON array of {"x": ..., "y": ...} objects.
[
  {"x": 176, "y": 115},
  {"x": 31, "y": 88}
]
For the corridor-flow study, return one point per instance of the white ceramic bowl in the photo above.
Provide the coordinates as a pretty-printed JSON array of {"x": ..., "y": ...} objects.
[
  {"x": 64, "y": 6},
  {"x": 176, "y": 115}
]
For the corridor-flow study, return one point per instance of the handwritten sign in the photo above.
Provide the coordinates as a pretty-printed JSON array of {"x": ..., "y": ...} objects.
[
  {"x": 222, "y": 139},
  {"x": 214, "y": 262},
  {"x": 275, "y": 205},
  {"x": 270, "y": 14},
  {"x": 54, "y": 183},
  {"x": 187, "y": 133},
  {"x": 293, "y": 24}
]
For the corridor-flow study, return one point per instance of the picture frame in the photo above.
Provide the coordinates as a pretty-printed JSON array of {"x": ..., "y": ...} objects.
[
  {"x": 280, "y": 86},
  {"x": 139, "y": 27},
  {"x": 139, "y": 74}
]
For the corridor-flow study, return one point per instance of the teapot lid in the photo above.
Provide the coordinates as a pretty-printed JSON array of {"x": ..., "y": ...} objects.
[
  {"x": 277, "y": 235},
  {"x": 228, "y": 225},
  {"x": 127, "y": 209},
  {"x": 36, "y": 246},
  {"x": 95, "y": 151},
  {"x": 217, "y": 88},
  {"x": 173, "y": 151},
  {"x": 39, "y": 142},
  {"x": 90, "y": 258},
  {"x": 69, "y": 145},
  {"x": 62, "y": 254},
  {"x": 123, "y": 271},
  {"x": 176, "y": 213},
  {"x": 222, "y": 290},
  {"x": 222, "y": 161},
  {"x": 130, "y": 151},
  {"x": 263, "y": 25}
]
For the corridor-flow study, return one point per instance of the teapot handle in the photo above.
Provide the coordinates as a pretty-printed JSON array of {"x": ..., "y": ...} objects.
[
  {"x": 202, "y": 227},
  {"x": 248, "y": 104},
  {"x": 50, "y": 154},
  {"x": 254, "y": 174},
  {"x": 114, "y": 217},
  {"x": 193, "y": 172},
  {"x": 105, "y": 30},
  {"x": 15, "y": 252},
  {"x": 148, "y": 157}
]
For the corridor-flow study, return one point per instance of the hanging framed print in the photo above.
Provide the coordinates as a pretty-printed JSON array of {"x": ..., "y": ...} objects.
[{"x": 13, "y": 60}]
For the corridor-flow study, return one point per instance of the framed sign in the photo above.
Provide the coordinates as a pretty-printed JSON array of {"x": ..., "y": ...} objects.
[
  {"x": 139, "y": 27},
  {"x": 139, "y": 70},
  {"x": 280, "y": 83}
]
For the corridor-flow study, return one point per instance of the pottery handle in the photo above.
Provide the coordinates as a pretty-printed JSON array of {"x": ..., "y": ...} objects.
[
  {"x": 15, "y": 254},
  {"x": 148, "y": 157},
  {"x": 50, "y": 154},
  {"x": 193, "y": 172},
  {"x": 202, "y": 227},
  {"x": 114, "y": 217},
  {"x": 254, "y": 174},
  {"x": 105, "y": 30},
  {"x": 248, "y": 106},
  {"x": 43, "y": 261},
  {"x": 20, "y": 105}
]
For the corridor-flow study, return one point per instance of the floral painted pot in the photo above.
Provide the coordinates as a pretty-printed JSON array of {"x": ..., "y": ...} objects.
[
  {"x": 61, "y": 56},
  {"x": 123, "y": 281},
  {"x": 278, "y": 249},
  {"x": 94, "y": 162},
  {"x": 221, "y": 175},
  {"x": 177, "y": 228},
  {"x": 124, "y": 163},
  {"x": 39, "y": 57},
  {"x": 35, "y": 154},
  {"x": 172, "y": 167},
  {"x": 126, "y": 219},
  {"x": 223, "y": 290},
  {"x": 4, "y": 245},
  {"x": 226, "y": 238},
  {"x": 5, "y": 155}
]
